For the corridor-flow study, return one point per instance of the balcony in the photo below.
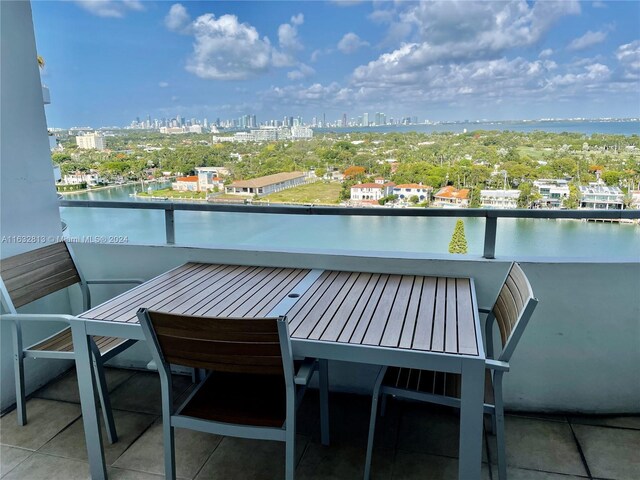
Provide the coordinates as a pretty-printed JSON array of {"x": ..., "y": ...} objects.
[
  {"x": 573, "y": 393},
  {"x": 411, "y": 440}
]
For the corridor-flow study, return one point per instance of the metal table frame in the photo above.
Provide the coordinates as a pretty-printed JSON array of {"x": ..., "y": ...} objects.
[{"x": 471, "y": 368}]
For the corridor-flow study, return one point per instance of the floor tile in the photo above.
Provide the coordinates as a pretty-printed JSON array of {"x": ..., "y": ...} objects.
[
  {"x": 10, "y": 457},
  {"x": 342, "y": 462},
  {"x": 523, "y": 474},
  {"x": 608, "y": 421},
  {"x": 244, "y": 459},
  {"x": 147, "y": 453},
  {"x": 45, "y": 419},
  {"x": 71, "y": 443},
  {"x": 46, "y": 467},
  {"x": 610, "y": 452},
  {"x": 430, "y": 429},
  {"x": 65, "y": 388},
  {"x": 410, "y": 466},
  {"x": 540, "y": 445},
  {"x": 122, "y": 474},
  {"x": 141, "y": 392}
]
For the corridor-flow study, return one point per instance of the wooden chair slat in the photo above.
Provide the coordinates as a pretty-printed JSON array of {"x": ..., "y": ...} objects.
[
  {"x": 30, "y": 292},
  {"x": 32, "y": 256}
]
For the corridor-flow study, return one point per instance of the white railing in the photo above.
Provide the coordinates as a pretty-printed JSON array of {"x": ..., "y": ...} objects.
[{"x": 491, "y": 216}]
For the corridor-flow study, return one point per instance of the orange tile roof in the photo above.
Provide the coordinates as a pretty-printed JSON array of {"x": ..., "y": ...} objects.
[
  {"x": 451, "y": 192},
  {"x": 413, "y": 185},
  {"x": 190, "y": 178}
]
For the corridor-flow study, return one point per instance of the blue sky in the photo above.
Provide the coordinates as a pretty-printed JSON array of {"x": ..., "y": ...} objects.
[{"x": 108, "y": 62}]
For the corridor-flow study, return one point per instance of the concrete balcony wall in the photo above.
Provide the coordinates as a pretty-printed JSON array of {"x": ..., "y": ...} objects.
[{"x": 580, "y": 352}]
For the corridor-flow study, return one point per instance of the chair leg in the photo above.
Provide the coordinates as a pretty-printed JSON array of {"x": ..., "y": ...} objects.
[
  {"x": 105, "y": 402},
  {"x": 290, "y": 442},
  {"x": 499, "y": 420},
  {"x": 383, "y": 405},
  {"x": 18, "y": 365},
  {"x": 169, "y": 448},
  {"x": 324, "y": 401},
  {"x": 372, "y": 430}
]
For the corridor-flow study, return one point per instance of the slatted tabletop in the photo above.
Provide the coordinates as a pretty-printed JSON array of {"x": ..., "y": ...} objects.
[
  {"x": 410, "y": 312},
  {"x": 207, "y": 290},
  {"x": 402, "y": 311}
]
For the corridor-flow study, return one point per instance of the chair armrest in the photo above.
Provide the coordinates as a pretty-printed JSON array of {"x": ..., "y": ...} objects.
[
  {"x": 497, "y": 365},
  {"x": 35, "y": 317},
  {"x": 115, "y": 281},
  {"x": 305, "y": 372}
]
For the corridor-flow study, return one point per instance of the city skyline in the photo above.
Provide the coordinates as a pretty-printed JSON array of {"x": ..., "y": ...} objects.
[{"x": 107, "y": 62}]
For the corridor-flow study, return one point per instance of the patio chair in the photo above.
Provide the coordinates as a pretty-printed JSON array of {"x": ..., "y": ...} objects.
[
  {"x": 251, "y": 388},
  {"x": 32, "y": 275},
  {"x": 512, "y": 310}
]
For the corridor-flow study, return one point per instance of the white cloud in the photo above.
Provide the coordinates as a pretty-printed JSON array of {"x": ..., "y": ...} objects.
[
  {"x": 469, "y": 30},
  {"x": 303, "y": 71},
  {"x": 587, "y": 40},
  {"x": 546, "y": 53},
  {"x": 350, "y": 43},
  {"x": 110, "y": 8},
  {"x": 628, "y": 56},
  {"x": 288, "y": 34},
  {"x": 226, "y": 49},
  {"x": 163, "y": 84},
  {"x": 177, "y": 19},
  {"x": 598, "y": 4}
]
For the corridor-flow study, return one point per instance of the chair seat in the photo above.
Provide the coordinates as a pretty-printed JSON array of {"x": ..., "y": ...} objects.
[
  {"x": 246, "y": 399},
  {"x": 434, "y": 383},
  {"x": 63, "y": 342}
]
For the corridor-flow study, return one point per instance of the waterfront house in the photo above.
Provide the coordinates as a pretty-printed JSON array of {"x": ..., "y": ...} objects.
[
  {"x": 635, "y": 198},
  {"x": 598, "y": 196},
  {"x": 451, "y": 197},
  {"x": 499, "y": 198},
  {"x": 186, "y": 184},
  {"x": 91, "y": 178},
  {"x": 405, "y": 191},
  {"x": 265, "y": 185},
  {"x": 371, "y": 191},
  {"x": 210, "y": 177},
  {"x": 553, "y": 192}
]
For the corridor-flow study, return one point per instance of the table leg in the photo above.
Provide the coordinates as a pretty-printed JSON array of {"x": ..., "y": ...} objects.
[
  {"x": 471, "y": 412},
  {"x": 86, "y": 381}
]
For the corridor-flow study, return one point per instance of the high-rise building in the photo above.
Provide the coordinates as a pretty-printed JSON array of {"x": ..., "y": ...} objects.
[
  {"x": 344, "y": 119},
  {"x": 90, "y": 140},
  {"x": 365, "y": 119}
]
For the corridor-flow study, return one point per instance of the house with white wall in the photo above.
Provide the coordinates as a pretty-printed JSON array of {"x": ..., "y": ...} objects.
[
  {"x": 405, "y": 191},
  {"x": 451, "y": 197},
  {"x": 499, "y": 198}
]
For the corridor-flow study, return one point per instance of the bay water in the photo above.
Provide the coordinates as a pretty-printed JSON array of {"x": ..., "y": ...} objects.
[{"x": 515, "y": 237}]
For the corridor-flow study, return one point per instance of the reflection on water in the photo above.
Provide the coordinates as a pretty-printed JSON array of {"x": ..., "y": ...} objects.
[{"x": 515, "y": 237}]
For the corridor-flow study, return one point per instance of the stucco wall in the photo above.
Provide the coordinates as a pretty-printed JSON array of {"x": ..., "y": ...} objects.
[
  {"x": 28, "y": 205},
  {"x": 580, "y": 352}
]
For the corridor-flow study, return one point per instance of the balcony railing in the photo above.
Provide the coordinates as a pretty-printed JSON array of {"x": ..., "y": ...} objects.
[{"x": 491, "y": 216}]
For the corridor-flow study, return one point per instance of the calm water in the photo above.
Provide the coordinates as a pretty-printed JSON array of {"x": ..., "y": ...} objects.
[
  {"x": 613, "y": 128},
  {"x": 517, "y": 237}
]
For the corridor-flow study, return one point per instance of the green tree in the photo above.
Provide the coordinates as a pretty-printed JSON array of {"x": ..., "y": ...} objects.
[
  {"x": 458, "y": 242},
  {"x": 574, "y": 197}
]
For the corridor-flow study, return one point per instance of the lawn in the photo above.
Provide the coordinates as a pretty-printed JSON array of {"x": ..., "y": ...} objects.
[
  {"x": 316, "y": 193},
  {"x": 168, "y": 193}
]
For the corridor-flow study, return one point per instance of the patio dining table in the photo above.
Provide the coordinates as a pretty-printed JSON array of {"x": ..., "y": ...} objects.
[{"x": 408, "y": 321}]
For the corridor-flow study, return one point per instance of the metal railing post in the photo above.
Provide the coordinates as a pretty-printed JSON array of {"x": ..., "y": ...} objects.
[
  {"x": 490, "y": 225},
  {"x": 169, "y": 225}
]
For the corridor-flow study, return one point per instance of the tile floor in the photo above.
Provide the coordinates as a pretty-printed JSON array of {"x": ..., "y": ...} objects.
[{"x": 412, "y": 441}]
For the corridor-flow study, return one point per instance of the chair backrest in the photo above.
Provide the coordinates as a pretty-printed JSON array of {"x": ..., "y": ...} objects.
[
  {"x": 513, "y": 308},
  {"x": 237, "y": 345},
  {"x": 32, "y": 275}
]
